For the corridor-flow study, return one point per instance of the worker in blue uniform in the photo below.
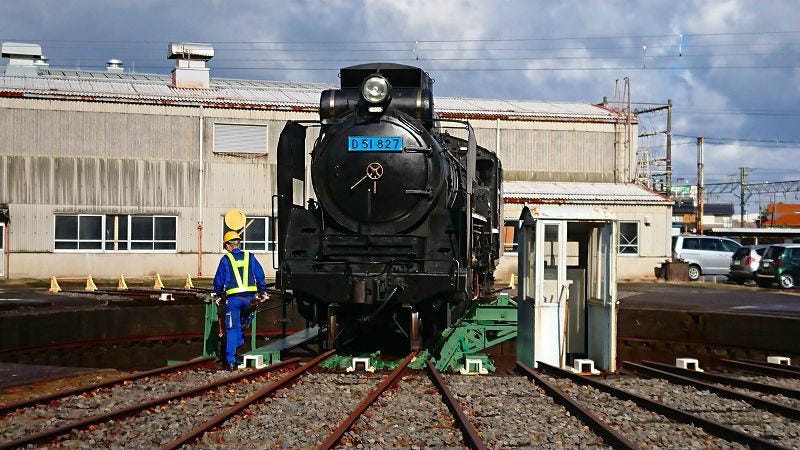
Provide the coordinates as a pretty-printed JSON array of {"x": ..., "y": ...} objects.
[{"x": 239, "y": 278}]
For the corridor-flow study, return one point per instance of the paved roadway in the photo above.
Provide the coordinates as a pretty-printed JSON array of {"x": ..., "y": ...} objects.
[
  {"x": 696, "y": 296},
  {"x": 709, "y": 296}
]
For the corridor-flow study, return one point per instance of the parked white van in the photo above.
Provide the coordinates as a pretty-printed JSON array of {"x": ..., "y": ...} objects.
[{"x": 706, "y": 255}]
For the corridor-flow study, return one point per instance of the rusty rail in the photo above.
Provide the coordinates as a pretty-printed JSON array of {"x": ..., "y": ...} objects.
[
  {"x": 711, "y": 427},
  {"x": 7, "y": 408},
  {"x": 772, "y": 365},
  {"x": 758, "y": 402},
  {"x": 345, "y": 425},
  {"x": 609, "y": 434},
  {"x": 778, "y": 371},
  {"x": 240, "y": 406},
  {"x": 133, "y": 409},
  {"x": 725, "y": 379},
  {"x": 471, "y": 437}
]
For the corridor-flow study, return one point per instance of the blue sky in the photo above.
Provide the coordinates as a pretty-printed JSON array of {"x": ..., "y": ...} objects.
[{"x": 734, "y": 73}]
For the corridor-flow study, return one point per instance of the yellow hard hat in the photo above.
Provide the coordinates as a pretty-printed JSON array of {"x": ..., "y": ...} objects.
[{"x": 231, "y": 236}]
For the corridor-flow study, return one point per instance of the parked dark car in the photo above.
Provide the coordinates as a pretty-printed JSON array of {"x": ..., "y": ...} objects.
[
  {"x": 780, "y": 264},
  {"x": 745, "y": 261}
]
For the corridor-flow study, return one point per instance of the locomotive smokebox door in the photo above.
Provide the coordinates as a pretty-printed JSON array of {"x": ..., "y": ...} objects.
[{"x": 567, "y": 286}]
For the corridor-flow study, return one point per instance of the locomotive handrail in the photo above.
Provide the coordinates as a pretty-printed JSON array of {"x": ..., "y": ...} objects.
[{"x": 273, "y": 229}]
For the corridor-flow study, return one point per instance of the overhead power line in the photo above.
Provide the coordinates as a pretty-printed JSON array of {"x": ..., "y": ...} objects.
[
  {"x": 419, "y": 41},
  {"x": 738, "y": 113},
  {"x": 765, "y": 187},
  {"x": 410, "y": 48},
  {"x": 728, "y": 139},
  {"x": 485, "y": 58},
  {"x": 504, "y": 69}
]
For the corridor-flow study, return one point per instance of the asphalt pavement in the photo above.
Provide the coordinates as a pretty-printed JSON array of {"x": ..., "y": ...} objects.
[{"x": 710, "y": 297}]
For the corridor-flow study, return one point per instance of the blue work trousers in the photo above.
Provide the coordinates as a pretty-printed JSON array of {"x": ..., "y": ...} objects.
[{"x": 235, "y": 306}]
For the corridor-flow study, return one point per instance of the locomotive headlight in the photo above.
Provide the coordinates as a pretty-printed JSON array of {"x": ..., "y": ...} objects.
[{"x": 375, "y": 89}]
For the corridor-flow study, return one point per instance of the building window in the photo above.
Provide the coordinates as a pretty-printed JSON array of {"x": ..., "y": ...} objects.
[
  {"x": 629, "y": 238},
  {"x": 257, "y": 234},
  {"x": 79, "y": 232},
  {"x": 240, "y": 138},
  {"x": 153, "y": 233},
  {"x": 510, "y": 235},
  {"x": 115, "y": 232}
]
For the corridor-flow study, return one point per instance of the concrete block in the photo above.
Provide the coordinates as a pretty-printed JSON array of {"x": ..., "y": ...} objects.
[
  {"x": 361, "y": 362},
  {"x": 473, "y": 366},
  {"x": 779, "y": 360},
  {"x": 688, "y": 364},
  {"x": 257, "y": 360},
  {"x": 584, "y": 366}
]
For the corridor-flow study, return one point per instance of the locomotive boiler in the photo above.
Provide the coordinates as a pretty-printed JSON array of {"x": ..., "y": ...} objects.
[{"x": 404, "y": 229}]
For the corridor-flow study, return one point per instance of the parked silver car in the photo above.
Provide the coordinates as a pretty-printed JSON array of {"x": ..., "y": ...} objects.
[
  {"x": 706, "y": 255},
  {"x": 744, "y": 262}
]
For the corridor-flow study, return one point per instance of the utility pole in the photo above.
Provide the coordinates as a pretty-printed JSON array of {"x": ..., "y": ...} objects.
[
  {"x": 698, "y": 221},
  {"x": 668, "y": 168},
  {"x": 742, "y": 180}
]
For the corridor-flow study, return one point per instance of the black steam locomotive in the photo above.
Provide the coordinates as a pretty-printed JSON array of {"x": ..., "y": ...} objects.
[{"x": 405, "y": 229}]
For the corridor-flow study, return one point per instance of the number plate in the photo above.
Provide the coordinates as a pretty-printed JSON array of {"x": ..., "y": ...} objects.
[{"x": 375, "y": 143}]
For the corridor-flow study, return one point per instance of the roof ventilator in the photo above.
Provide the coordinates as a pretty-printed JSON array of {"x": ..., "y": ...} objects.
[
  {"x": 24, "y": 60},
  {"x": 114, "y": 66},
  {"x": 190, "y": 69}
]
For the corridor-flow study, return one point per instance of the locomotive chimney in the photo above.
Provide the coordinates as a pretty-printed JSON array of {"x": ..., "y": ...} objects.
[{"x": 190, "y": 64}]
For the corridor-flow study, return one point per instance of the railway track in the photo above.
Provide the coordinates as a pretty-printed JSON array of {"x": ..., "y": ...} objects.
[
  {"x": 300, "y": 405},
  {"x": 50, "y": 418}
]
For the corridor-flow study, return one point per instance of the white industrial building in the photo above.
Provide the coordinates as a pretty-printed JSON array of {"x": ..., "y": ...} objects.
[{"x": 110, "y": 172}]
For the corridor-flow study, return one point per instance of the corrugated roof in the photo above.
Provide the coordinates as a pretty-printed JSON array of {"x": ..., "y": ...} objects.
[
  {"x": 580, "y": 193},
  {"x": 521, "y": 108},
  {"x": 151, "y": 88}
]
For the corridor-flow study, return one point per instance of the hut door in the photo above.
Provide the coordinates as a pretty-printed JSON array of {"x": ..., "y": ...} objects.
[
  {"x": 551, "y": 290},
  {"x": 2, "y": 249}
]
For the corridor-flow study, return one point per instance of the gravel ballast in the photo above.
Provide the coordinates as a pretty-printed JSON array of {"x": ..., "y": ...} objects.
[
  {"x": 512, "y": 412},
  {"x": 412, "y": 414},
  {"x": 648, "y": 429},
  {"x": 163, "y": 424},
  {"x": 297, "y": 417},
  {"x": 735, "y": 413},
  {"x": 38, "y": 418}
]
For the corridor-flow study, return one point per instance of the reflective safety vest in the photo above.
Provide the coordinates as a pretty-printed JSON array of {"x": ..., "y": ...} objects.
[{"x": 243, "y": 278}]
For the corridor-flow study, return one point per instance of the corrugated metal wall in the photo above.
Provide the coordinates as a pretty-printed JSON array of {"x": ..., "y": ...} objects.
[
  {"x": 557, "y": 151},
  {"x": 82, "y": 157},
  {"x": 94, "y": 157}
]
